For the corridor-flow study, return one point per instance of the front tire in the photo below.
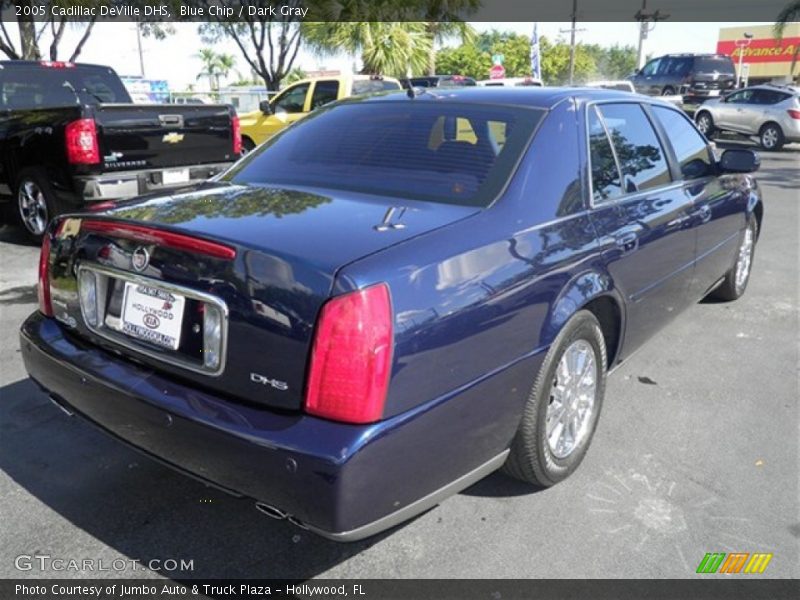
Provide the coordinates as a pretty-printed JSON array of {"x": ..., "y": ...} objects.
[
  {"x": 736, "y": 280},
  {"x": 36, "y": 203},
  {"x": 771, "y": 137},
  {"x": 705, "y": 124},
  {"x": 563, "y": 407}
]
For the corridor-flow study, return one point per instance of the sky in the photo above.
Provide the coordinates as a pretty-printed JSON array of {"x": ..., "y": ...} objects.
[{"x": 175, "y": 59}]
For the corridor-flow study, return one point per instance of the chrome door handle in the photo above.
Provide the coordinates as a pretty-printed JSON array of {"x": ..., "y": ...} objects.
[{"x": 627, "y": 242}]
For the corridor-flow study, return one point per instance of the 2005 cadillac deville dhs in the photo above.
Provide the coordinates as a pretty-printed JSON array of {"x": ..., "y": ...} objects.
[{"x": 394, "y": 297}]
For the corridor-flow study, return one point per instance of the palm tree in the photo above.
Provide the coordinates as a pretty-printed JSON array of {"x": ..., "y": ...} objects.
[
  {"x": 386, "y": 48},
  {"x": 444, "y": 19},
  {"x": 225, "y": 64},
  {"x": 210, "y": 61},
  {"x": 789, "y": 14}
]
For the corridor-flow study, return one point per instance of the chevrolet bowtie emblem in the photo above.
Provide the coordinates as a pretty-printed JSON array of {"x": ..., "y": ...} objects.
[{"x": 172, "y": 138}]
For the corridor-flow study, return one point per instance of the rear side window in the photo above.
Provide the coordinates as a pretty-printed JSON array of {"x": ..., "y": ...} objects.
[
  {"x": 769, "y": 97},
  {"x": 690, "y": 147},
  {"x": 440, "y": 152},
  {"x": 641, "y": 158},
  {"x": 370, "y": 86},
  {"x": 324, "y": 92},
  {"x": 606, "y": 181},
  {"x": 31, "y": 86}
]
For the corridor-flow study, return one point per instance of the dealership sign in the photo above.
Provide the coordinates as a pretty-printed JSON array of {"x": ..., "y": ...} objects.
[{"x": 763, "y": 50}]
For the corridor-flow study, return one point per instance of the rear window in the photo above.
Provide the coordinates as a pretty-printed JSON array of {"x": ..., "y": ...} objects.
[
  {"x": 370, "y": 86},
  {"x": 34, "y": 86},
  {"x": 709, "y": 64},
  {"x": 420, "y": 150}
]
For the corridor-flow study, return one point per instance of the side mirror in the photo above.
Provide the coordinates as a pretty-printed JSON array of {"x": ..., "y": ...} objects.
[
  {"x": 265, "y": 107},
  {"x": 739, "y": 160}
]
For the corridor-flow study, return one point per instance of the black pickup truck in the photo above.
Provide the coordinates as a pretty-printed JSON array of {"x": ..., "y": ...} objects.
[{"x": 71, "y": 139}]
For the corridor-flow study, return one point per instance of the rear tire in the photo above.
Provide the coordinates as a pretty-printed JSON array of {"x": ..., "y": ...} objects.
[
  {"x": 248, "y": 145},
  {"x": 705, "y": 124},
  {"x": 771, "y": 137},
  {"x": 35, "y": 203},
  {"x": 572, "y": 378},
  {"x": 736, "y": 280},
  {"x": 668, "y": 91}
]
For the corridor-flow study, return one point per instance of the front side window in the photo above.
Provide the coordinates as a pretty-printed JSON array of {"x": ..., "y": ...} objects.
[
  {"x": 690, "y": 147},
  {"x": 606, "y": 181},
  {"x": 651, "y": 68},
  {"x": 293, "y": 100},
  {"x": 641, "y": 158},
  {"x": 324, "y": 92},
  {"x": 434, "y": 151}
]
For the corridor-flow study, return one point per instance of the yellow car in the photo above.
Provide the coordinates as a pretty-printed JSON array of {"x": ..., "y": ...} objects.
[{"x": 299, "y": 99}]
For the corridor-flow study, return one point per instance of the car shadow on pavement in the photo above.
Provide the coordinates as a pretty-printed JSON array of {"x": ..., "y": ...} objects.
[
  {"x": 137, "y": 507},
  {"x": 13, "y": 234}
]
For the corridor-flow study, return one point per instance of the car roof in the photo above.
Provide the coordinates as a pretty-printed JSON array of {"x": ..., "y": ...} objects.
[{"x": 525, "y": 96}]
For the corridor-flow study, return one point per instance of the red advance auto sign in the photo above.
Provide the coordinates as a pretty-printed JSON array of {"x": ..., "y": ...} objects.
[{"x": 765, "y": 50}]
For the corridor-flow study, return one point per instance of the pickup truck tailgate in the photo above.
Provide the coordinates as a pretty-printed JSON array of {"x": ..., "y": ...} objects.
[{"x": 143, "y": 136}]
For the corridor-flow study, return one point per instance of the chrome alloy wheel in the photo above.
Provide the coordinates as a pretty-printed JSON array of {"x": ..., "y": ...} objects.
[
  {"x": 745, "y": 259},
  {"x": 572, "y": 399},
  {"x": 769, "y": 138},
  {"x": 704, "y": 124},
  {"x": 32, "y": 207}
]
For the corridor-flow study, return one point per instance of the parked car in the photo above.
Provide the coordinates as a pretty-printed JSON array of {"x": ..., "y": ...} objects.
[
  {"x": 696, "y": 77},
  {"x": 770, "y": 113},
  {"x": 347, "y": 329},
  {"x": 511, "y": 82},
  {"x": 622, "y": 85},
  {"x": 71, "y": 138},
  {"x": 300, "y": 99},
  {"x": 429, "y": 81}
]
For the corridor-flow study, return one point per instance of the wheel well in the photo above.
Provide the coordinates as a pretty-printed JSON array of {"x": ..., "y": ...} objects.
[
  {"x": 778, "y": 125},
  {"x": 607, "y": 312},
  {"x": 700, "y": 113}
]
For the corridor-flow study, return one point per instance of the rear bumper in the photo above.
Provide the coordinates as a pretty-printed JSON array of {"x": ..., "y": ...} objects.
[
  {"x": 127, "y": 184},
  {"x": 344, "y": 482}
]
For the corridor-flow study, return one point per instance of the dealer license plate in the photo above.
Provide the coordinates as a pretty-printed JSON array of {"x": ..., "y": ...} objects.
[
  {"x": 152, "y": 314},
  {"x": 173, "y": 176}
]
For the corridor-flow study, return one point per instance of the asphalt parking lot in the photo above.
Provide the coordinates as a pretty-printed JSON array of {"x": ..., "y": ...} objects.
[{"x": 696, "y": 451}]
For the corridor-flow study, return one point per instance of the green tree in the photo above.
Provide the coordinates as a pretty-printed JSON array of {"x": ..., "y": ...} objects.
[
  {"x": 210, "y": 70},
  {"x": 445, "y": 19},
  {"x": 386, "y": 48},
  {"x": 789, "y": 14},
  {"x": 615, "y": 62},
  {"x": 466, "y": 60}
]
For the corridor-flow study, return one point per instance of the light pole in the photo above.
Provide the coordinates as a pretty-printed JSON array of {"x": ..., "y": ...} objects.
[{"x": 741, "y": 45}]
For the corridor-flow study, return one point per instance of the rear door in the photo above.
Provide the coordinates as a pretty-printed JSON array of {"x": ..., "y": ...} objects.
[{"x": 642, "y": 218}]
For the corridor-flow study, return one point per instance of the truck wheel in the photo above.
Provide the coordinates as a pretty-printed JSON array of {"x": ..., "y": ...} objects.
[
  {"x": 705, "y": 124},
  {"x": 35, "y": 202},
  {"x": 563, "y": 407},
  {"x": 771, "y": 137},
  {"x": 248, "y": 145},
  {"x": 735, "y": 282}
]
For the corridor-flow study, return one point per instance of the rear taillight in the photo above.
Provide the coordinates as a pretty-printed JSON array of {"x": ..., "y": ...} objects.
[
  {"x": 81, "y": 140},
  {"x": 794, "y": 113},
  {"x": 57, "y": 64},
  {"x": 237, "y": 135},
  {"x": 352, "y": 357},
  {"x": 153, "y": 235},
  {"x": 43, "y": 289}
]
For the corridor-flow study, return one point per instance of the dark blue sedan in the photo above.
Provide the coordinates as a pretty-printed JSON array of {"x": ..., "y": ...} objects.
[{"x": 393, "y": 297}]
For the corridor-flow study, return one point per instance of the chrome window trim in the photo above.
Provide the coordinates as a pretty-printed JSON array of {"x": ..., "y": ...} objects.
[
  {"x": 131, "y": 344},
  {"x": 632, "y": 195}
]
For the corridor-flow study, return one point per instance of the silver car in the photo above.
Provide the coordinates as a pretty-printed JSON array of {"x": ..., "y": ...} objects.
[{"x": 771, "y": 113}]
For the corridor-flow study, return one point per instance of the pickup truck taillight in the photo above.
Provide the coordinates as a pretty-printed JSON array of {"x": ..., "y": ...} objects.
[
  {"x": 352, "y": 357},
  {"x": 237, "y": 135},
  {"x": 81, "y": 140}
]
